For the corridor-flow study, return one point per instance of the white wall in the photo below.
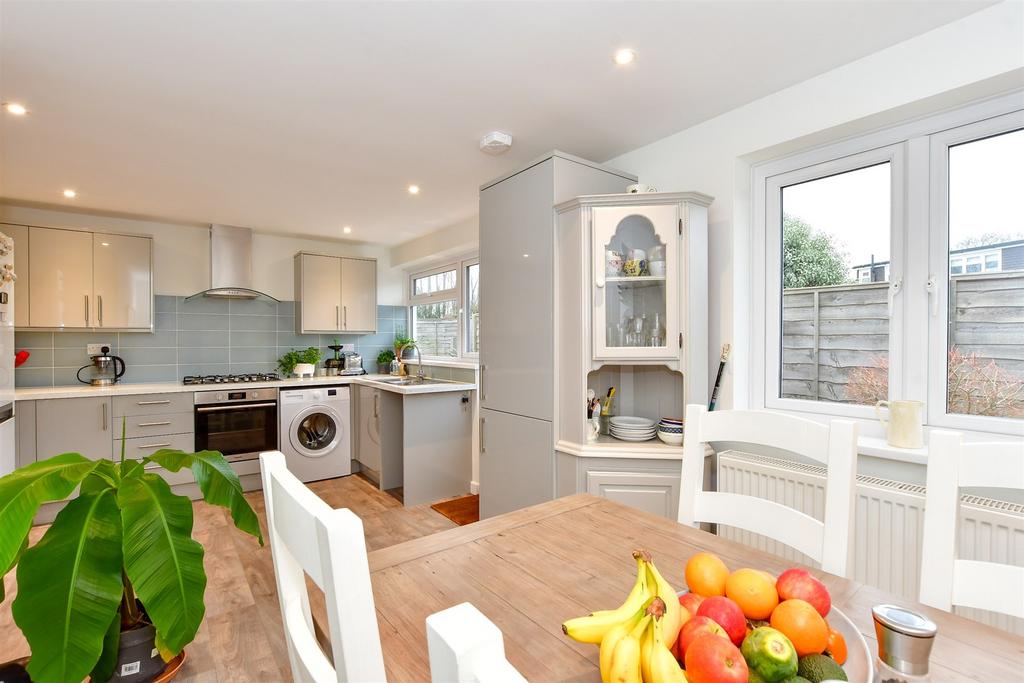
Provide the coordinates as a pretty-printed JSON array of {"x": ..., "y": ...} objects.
[
  {"x": 980, "y": 54},
  {"x": 453, "y": 240},
  {"x": 182, "y": 252}
]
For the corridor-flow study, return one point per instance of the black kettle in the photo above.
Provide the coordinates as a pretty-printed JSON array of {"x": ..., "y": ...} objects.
[{"x": 104, "y": 369}]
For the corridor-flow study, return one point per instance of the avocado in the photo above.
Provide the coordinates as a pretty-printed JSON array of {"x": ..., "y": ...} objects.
[{"x": 817, "y": 668}]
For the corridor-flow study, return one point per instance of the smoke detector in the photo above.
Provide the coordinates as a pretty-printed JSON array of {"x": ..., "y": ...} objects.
[{"x": 495, "y": 142}]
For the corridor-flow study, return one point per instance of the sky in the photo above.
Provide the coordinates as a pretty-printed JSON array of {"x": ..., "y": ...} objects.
[{"x": 986, "y": 195}]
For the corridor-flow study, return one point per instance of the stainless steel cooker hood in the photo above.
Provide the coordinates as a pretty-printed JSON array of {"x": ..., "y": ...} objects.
[{"x": 231, "y": 265}]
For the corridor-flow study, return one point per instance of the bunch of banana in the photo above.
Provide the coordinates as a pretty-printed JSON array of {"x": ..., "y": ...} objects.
[
  {"x": 593, "y": 627},
  {"x": 636, "y": 637}
]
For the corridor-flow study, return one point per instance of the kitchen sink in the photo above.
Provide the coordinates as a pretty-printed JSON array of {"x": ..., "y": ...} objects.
[{"x": 411, "y": 381}]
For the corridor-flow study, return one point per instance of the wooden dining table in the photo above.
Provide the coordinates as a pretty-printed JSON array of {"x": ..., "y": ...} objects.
[{"x": 530, "y": 570}]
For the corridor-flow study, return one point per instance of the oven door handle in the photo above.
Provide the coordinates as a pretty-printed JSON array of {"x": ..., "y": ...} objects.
[{"x": 217, "y": 409}]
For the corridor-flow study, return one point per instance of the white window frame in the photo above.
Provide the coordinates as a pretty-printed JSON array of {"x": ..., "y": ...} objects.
[
  {"x": 916, "y": 249},
  {"x": 464, "y": 310},
  {"x": 939, "y": 259},
  {"x": 458, "y": 293},
  {"x": 772, "y": 275}
]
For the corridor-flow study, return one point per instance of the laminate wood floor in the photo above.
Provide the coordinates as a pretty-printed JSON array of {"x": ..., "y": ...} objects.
[{"x": 241, "y": 638}]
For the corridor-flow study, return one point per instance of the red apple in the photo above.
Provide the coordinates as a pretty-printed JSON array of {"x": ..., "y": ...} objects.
[
  {"x": 726, "y": 614},
  {"x": 691, "y": 601},
  {"x": 798, "y": 584},
  {"x": 695, "y": 628},
  {"x": 710, "y": 659}
]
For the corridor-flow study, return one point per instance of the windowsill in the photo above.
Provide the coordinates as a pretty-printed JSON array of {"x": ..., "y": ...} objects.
[
  {"x": 878, "y": 448},
  {"x": 449, "y": 363}
]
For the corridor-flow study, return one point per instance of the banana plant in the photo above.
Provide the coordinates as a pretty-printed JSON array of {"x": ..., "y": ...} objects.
[{"x": 125, "y": 536}]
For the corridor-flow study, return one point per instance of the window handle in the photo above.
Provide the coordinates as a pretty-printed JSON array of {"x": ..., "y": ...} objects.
[
  {"x": 895, "y": 287},
  {"x": 932, "y": 286}
]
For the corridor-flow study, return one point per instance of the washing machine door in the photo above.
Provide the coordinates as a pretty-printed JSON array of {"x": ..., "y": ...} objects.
[{"x": 316, "y": 431}]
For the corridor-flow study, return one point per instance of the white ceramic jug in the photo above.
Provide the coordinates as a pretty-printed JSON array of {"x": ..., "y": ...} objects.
[{"x": 904, "y": 428}]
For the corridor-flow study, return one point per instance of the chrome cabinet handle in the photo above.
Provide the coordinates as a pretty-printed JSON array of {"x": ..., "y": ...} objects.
[
  {"x": 483, "y": 449},
  {"x": 375, "y": 409},
  {"x": 99, "y": 309},
  {"x": 87, "y": 310},
  {"x": 104, "y": 416},
  {"x": 151, "y": 424},
  {"x": 482, "y": 394},
  {"x": 344, "y": 311},
  {"x": 152, "y": 403},
  {"x": 337, "y": 317}
]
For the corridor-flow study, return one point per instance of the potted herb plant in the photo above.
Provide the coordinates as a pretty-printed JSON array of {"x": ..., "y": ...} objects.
[
  {"x": 300, "y": 362},
  {"x": 114, "y": 588},
  {"x": 384, "y": 359}
]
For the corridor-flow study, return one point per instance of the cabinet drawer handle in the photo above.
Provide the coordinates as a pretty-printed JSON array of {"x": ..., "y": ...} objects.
[
  {"x": 152, "y": 403},
  {"x": 104, "y": 417},
  {"x": 152, "y": 424},
  {"x": 153, "y": 445}
]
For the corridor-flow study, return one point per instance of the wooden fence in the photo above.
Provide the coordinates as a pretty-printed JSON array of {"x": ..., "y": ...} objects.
[{"x": 829, "y": 332}]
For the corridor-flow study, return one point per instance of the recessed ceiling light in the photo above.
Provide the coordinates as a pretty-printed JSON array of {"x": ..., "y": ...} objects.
[
  {"x": 347, "y": 229},
  {"x": 15, "y": 108},
  {"x": 104, "y": 244},
  {"x": 624, "y": 56},
  {"x": 70, "y": 194},
  {"x": 414, "y": 189},
  {"x": 526, "y": 256}
]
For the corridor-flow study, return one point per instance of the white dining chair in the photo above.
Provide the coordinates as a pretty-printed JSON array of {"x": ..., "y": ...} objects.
[
  {"x": 465, "y": 647},
  {"x": 833, "y": 445},
  {"x": 945, "y": 580},
  {"x": 308, "y": 536}
]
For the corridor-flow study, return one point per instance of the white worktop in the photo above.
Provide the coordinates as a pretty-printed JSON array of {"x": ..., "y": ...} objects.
[{"x": 83, "y": 390}]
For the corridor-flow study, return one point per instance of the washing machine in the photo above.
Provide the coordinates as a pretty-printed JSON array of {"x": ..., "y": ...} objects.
[{"x": 316, "y": 438}]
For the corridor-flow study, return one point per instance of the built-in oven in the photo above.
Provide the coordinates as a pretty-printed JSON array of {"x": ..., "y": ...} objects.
[{"x": 240, "y": 424}]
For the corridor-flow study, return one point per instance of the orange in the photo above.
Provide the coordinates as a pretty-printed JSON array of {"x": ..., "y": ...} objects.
[
  {"x": 836, "y": 646},
  {"x": 802, "y": 624},
  {"x": 706, "y": 574},
  {"x": 753, "y": 591}
]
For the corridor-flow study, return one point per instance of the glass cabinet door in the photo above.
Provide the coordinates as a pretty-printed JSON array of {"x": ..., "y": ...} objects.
[{"x": 636, "y": 282}]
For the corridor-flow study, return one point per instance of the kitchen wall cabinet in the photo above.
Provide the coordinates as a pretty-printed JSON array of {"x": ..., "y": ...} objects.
[
  {"x": 74, "y": 425},
  {"x": 19, "y": 233},
  {"x": 123, "y": 281},
  {"x": 335, "y": 294},
  {"x": 72, "y": 279},
  {"x": 60, "y": 278}
]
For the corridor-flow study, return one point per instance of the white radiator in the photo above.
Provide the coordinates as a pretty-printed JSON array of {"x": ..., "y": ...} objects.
[{"x": 889, "y": 519}]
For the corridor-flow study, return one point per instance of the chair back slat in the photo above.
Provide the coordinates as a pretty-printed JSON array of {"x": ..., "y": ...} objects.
[
  {"x": 308, "y": 537},
  {"x": 835, "y": 445},
  {"x": 778, "y": 430},
  {"x": 993, "y": 465},
  {"x": 947, "y": 581},
  {"x": 760, "y": 516},
  {"x": 466, "y": 647}
]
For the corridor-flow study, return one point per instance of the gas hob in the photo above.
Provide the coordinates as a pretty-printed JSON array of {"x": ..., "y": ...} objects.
[{"x": 190, "y": 380}]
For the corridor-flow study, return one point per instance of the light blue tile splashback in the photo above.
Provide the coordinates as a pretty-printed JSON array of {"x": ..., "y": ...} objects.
[{"x": 198, "y": 337}]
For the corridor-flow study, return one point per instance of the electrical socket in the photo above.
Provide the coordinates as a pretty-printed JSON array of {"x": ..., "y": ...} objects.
[{"x": 96, "y": 349}]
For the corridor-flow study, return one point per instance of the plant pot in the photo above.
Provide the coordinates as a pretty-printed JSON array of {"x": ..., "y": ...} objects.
[
  {"x": 384, "y": 368},
  {"x": 304, "y": 369},
  {"x": 137, "y": 658}
]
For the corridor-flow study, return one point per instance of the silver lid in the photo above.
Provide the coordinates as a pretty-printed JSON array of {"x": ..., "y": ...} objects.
[{"x": 904, "y": 638}]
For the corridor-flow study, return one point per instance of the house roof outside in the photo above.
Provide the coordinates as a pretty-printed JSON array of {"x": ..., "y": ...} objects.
[{"x": 955, "y": 252}]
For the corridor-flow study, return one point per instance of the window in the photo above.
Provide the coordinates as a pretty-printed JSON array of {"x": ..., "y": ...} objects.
[
  {"x": 438, "y": 298},
  {"x": 984, "y": 336},
  {"x": 830, "y": 339},
  {"x": 885, "y": 267}
]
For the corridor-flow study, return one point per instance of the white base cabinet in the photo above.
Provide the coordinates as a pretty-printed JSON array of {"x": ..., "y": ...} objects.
[
  {"x": 647, "y": 484},
  {"x": 73, "y": 425}
]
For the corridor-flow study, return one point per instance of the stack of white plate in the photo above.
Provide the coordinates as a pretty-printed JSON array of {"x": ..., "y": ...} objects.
[{"x": 627, "y": 428}]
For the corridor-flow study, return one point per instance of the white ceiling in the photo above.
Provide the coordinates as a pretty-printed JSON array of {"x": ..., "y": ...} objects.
[{"x": 304, "y": 117}]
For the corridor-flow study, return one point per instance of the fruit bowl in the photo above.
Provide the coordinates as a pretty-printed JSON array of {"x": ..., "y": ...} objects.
[{"x": 859, "y": 665}]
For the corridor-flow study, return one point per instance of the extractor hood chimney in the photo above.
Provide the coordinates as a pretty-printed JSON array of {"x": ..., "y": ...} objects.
[{"x": 231, "y": 264}]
